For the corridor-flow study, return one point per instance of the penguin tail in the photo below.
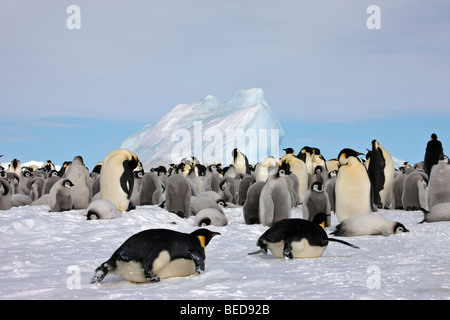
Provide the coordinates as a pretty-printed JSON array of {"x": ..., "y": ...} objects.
[{"x": 343, "y": 242}]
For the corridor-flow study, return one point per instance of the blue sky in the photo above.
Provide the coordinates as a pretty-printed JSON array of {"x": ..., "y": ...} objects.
[{"x": 331, "y": 81}]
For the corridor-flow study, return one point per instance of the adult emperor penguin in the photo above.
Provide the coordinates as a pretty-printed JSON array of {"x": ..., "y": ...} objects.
[
  {"x": 439, "y": 185},
  {"x": 297, "y": 238},
  {"x": 5, "y": 195},
  {"x": 433, "y": 152},
  {"x": 381, "y": 172},
  {"x": 178, "y": 195},
  {"x": 306, "y": 154},
  {"x": 262, "y": 168},
  {"x": 240, "y": 162},
  {"x": 60, "y": 197},
  {"x": 298, "y": 167},
  {"x": 353, "y": 193},
  {"x": 316, "y": 201},
  {"x": 368, "y": 224},
  {"x": 251, "y": 205},
  {"x": 82, "y": 190},
  {"x": 116, "y": 177},
  {"x": 15, "y": 166},
  {"x": 155, "y": 254},
  {"x": 275, "y": 199}
]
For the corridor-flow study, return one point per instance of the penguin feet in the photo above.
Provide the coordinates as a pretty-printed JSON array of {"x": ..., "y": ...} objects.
[
  {"x": 151, "y": 276},
  {"x": 287, "y": 251}
]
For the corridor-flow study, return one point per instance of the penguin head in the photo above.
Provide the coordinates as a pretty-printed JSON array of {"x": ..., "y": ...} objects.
[
  {"x": 284, "y": 169},
  {"x": 332, "y": 174},
  {"x": 434, "y": 136},
  {"x": 289, "y": 150},
  {"x": 221, "y": 203},
  {"x": 398, "y": 228},
  {"x": 320, "y": 218},
  {"x": 346, "y": 153},
  {"x": 204, "y": 235},
  {"x": 444, "y": 159},
  {"x": 67, "y": 183},
  {"x": 317, "y": 186}
]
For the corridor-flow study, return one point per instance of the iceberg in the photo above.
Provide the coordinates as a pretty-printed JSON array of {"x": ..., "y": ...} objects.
[{"x": 209, "y": 130}]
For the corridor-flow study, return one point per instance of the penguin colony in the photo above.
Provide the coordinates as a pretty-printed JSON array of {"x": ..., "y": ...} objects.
[{"x": 349, "y": 186}]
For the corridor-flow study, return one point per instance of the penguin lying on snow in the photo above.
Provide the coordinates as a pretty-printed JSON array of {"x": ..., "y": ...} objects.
[
  {"x": 297, "y": 238},
  {"x": 101, "y": 209},
  {"x": 155, "y": 254},
  {"x": 438, "y": 212},
  {"x": 368, "y": 224}
]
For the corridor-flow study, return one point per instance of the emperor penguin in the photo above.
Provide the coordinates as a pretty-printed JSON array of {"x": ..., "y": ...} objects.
[
  {"x": 101, "y": 209},
  {"x": 353, "y": 194},
  {"x": 199, "y": 203},
  {"x": 228, "y": 189},
  {"x": 316, "y": 201},
  {"x": 262, "y": 168},
  {"x": 306, "y": 154},
  {"x": 414, "y": 196},
  {"x": 5, "y": 195},
  {"x": 15, "y": 166},
  {"x": 51, "y": 178},
  {"x": 320, "y": 173},
  {"x": 317, "y": 159},
  {"x": 275, "y": 199},
  {"x": 135, "y": 199},
  {"x": 210, "y": 216},
  {"x": 155, "y": 254},
  {"x": 61, "y": 196},
  {"x": 368, "y": 224},
  {"x": 438, "y": 212},
  {"x": 151, "y": 190},
  {"x": 381, "y": 172},
  {"x": 116, "y": 177},
  {"x": 439, "y": 183},
  {"x": 433, "y": 152},
  {"x": 397, "y": 187},
  {"x": 211, "y": 179},
  {"x": 36, "y": 188},
  {"x": 251, "y": 205},
  {"x": 329, "y": 188},
  {"x": 24, "y": 182},
  {"x": 298, "y": 167},
  {"x": 297, "y": 238},
  {"x": 178, "y": 195},
  {"x": 240, "y": 162},
  {"x": 80, "y": 177},
  {"x": 245, "y": 183}
]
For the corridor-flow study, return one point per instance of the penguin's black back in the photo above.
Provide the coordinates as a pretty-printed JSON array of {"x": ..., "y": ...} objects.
[
  {"x": 294, "y": 230},
  {"x": 148, "y": 244}
]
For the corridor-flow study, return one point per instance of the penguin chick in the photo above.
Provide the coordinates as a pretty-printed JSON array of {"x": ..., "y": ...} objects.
[
  {"x": 368, "y": 224},
  {"x": 297, "y": 238},
  {"x": 102, "y": 209},
  {"x": 438, "y": 212},
  {"x": 61, "y": 196},
  {"x": 5, "y": 195},
  {"x": 155, "y": 254},
  {"x": 210, "y": 216}
]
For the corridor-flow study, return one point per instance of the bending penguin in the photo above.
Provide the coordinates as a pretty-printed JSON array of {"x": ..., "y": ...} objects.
[
  {"x": 240, "y": 162},
  {"x": 438, "y": 212},
  {"x": 353, "y": 194},
  {"x": 155, "y": 254},
  {"x": 117, "y": 179},
  {"x": 366, "y": 225},
  {"x": 101, "y": 209},
  {"x": 297, "y": 238},
  {"x": 439, "y": 185}
]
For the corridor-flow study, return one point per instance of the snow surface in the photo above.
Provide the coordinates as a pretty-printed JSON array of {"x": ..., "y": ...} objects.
[
  {"x": 47, "y": 255},
  {"x": 209, "y": 123}
]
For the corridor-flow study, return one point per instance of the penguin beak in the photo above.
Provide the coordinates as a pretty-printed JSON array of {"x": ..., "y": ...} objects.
[{"x": 322, "y": 225}]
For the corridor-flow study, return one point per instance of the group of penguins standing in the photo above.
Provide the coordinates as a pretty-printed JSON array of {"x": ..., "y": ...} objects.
[{"x": 347, "y": 186}]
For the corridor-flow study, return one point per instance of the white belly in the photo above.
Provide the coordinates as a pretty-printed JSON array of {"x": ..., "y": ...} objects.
[{"x": 300, "y": 249}]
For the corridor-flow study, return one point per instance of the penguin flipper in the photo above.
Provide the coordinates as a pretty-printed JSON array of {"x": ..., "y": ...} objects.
[
  {"x": 100, "y": 273},
  {"x": 198, "y": 260}
]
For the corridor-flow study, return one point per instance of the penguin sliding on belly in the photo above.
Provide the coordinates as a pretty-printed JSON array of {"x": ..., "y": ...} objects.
[
  {"x": 297, "y": 238},
  {"x": 155, "y": 254}
]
